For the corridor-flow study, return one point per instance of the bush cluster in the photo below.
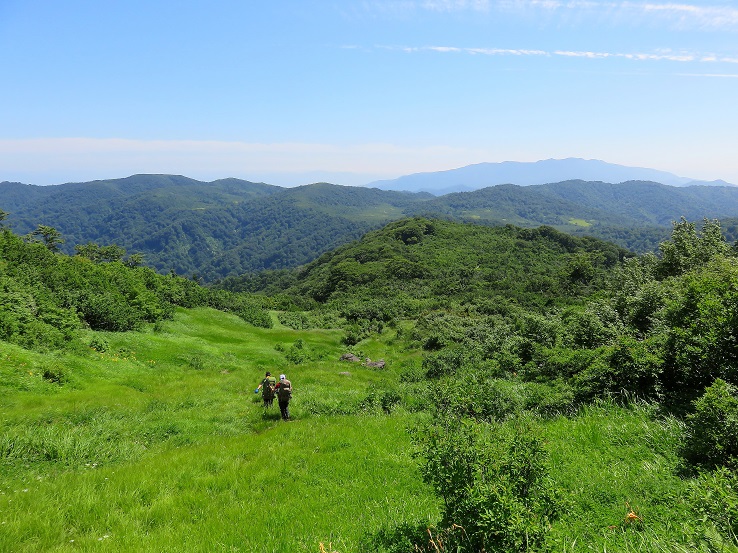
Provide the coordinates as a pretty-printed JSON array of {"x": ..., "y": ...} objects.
[
  {"x": 494, "y": 482},
  {"x": 712, "y": 428},
  {"x": 45, "y": 297}
]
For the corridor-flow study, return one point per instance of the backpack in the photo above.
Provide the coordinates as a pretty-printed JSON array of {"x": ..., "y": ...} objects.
[
  {"x": 284, "y": 392},
  {"x": 268, "y": 388}
]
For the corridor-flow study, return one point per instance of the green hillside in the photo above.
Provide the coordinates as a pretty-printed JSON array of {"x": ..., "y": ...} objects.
[
  {"x": 650, "y": 203},
  {"x": 230, "y": 227},
  {"x": 536, "y": 392},
  {"x": 428, "y": 260},
  {"x": 209, "y": 229},
  {"x": 519, "y": 205},
  {"x": 158, "y": 443}
]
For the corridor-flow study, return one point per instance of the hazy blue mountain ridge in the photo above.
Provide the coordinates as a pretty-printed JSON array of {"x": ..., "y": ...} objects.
[{"x": 482, "y": 175}]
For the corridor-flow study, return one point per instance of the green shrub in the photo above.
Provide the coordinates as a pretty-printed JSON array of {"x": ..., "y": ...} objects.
[
  {"x": 38, "y": 335},
  {"x": 702, "y": 325},
  {"x": 712, "y": 430},
  {"x": 56, "y": 374},
  {"x": 298, "y": 352},
  {"x": 98, "y": 343},
  {"x": 542, "y": 330},
  {"x": 630, "y": 367},
  {"x": 295, "y": 320},
  {"x": 494, "y": 483},
  {"x": 548, "y": 400},
  {"x": 360, "y": 330},
  {"x": 596, "y": 326},
  {"x": 411, "y": 372},
  {"x": 254, "y": 315},
  {"x": 412, "y": 231},
  {"x": 492, "y": 400},
  {"x": 473, "y": 393},
  {"x": 561, "y": 363},
  {"x": 196, "y": 362},
  {"x": 439, "y": 329},
  {"x": 389, "y": 400},
  {"x": 445, "y": 363},
  {"x": 109, "y": 312},
  {"x": 353, "y": 336},
  {"x": 400, "y": 538},
  {"x": 368, "y": 310}
]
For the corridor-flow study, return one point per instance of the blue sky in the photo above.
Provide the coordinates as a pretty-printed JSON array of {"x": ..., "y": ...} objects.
[{"x": 291, "y": 92}]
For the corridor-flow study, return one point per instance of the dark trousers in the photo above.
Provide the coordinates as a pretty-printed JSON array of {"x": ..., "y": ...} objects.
[
  {"x": 284, "y": 407},
  {"x": 268, "y": 402}
]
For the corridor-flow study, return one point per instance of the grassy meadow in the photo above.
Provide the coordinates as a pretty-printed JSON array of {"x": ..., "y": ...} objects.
[
  {"x": 159, "y": 443},
  {"x": 155, "y": 441}
]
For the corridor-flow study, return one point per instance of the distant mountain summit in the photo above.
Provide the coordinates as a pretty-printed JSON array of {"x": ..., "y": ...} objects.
[{"x": 482, "y": 175}]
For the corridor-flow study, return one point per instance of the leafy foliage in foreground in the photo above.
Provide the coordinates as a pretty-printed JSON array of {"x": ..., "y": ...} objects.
[
  {"x": 713, "y": 427},
  {"x": 495, "y": 486}
]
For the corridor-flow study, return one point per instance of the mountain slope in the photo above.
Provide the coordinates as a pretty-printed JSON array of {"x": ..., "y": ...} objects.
[
  {"x": 209, "y": 229},
  {"x": 627, "y": 204},
  {"x": 648, "y": 203},
  {"x": 230, "y": 227},
  {"x": 425, "y": 259},
  {"x": 520, "y": 205}
]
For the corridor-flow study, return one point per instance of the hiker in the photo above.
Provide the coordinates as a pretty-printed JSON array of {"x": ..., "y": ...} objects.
[
  {"x": 284, "y": 394},
  {"x": 267, "y": 387}
]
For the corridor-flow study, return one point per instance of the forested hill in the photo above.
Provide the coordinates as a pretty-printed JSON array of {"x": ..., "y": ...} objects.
[
  {"x": 639, "y": 202},
  {"x": 31, "y": 201},
  {"x": 409, "y": 263},
  {"x": 627, "y": 204},
  {"x": 230, "y": 226},
  {"x": 209, "y": 229}
]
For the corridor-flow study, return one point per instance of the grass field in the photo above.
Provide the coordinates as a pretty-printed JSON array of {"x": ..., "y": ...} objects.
[
  {"x": 155, "y": 441},
  {"x": 160, "y": 444}
]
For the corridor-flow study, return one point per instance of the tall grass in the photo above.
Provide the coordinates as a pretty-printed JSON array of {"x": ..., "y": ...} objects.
[
  {"x": 286, "y": 489},
  {"x": 158, "y": 443},
  {"x": 615, "y": 461}
]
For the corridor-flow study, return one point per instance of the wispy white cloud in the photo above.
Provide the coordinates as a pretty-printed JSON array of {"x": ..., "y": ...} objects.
[
  {"x": 678, "y": 15},
  {"x": 687, "y": 15},
  {"x": 664, "y": 55},
  {"x": 482, "y": 51},
  {"x": 455, "y": 5},
  {"x": 638, "y": 56},
  {"x": 711, "y": 75}
]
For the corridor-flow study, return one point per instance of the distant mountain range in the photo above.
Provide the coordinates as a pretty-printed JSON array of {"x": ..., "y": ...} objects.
[
  {"x": 482, "y": 175},
  {"x": 230, "y": 226}
]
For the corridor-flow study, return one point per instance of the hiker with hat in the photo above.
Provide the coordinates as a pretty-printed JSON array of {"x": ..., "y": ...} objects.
[
  {"x": 267, "y": 387},
  {"x": 284, "y": 395}
]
